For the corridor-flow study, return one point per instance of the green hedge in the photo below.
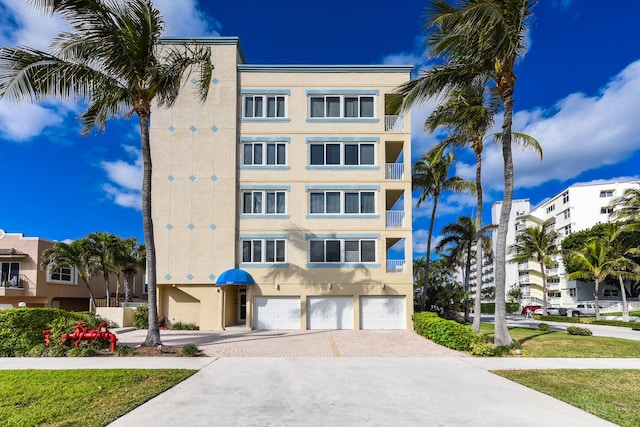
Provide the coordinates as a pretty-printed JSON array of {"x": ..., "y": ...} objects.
[
  {"x": 21, "y": 328},
  {"x": 448, "y": 333},
  {"x": 490, "y": 307},
  {"x": 588, "y": 321}
]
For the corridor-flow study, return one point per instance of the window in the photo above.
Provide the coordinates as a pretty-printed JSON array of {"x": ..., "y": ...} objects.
[
  {"x": 606, "y": 193},
  {"x": 572, "y": 292},
  {"x": 567, "y": 230},
  {"x": 606, "y": 210},
  {"x": 264, "y": 153},
  {"x": 611, "y": 292},
  {"x": 65, "y": 275},
  {"x": 263, "y": 250},
  {"x": 554, "y": 280},
  {"x": 565, "y": 197},
  {"x": 567, "y": 213},
  {"x": 341, "y": 106},
  {"x": 9, "y": 274},
  {"x": 263, "y": 202},
  {"x": 264, "y": 106},
  {"x": 341, "y": 154},
  {"x": 342, "y": 250},
  {"x": 551, "y": 208},
  {"x": 337, "y": 202}
]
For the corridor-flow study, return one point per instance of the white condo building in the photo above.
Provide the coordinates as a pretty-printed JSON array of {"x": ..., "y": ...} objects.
[{"x": 578, "y": 207}]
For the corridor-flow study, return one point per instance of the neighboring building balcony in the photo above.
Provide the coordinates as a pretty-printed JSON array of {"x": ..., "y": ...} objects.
[
  {"x": 523, "y": 266},
  {"x": 395, "y": 219},
  {"x": 553, "y": 286},
  {"x": 552, "y": 271},
  {"x": 15, "y": 286},
  {"x": 524, "y": 279},
  {"x": 393, "y": 123},
  {"x": 394, "y": 171},
  {"x": 396, "y": 266}
]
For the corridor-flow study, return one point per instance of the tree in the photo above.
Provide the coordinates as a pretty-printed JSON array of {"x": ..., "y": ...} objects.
[
  {"x": 595, "y": 263},
  {"x": 431, "y": 175},
  {"x": 129, "y": 260},
  {"x": 70, "y": 255},
  {"x": 627, "y": 207},
  {"x": 461, "y": 243},
  {"x": 102, "y": 248},
  {"x": 477, "y": 40},
  {"x": 536, "y": 244},
  {"x": 515, "y": 293},
  {"x": 418, "y": 271},
  {"x": 111, "y": 60}
]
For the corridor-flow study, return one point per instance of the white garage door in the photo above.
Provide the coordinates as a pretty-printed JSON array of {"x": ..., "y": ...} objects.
[
  {"x": 330, "y": 312},
  {"x": 383, "y": 313},
  {"x": 276, "y": 312}
]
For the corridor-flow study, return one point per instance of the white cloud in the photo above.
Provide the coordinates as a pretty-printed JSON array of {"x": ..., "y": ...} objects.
[
  {"x": 23, "y": 25},
  {"x": 402, "y": 58},
  {"x": 184, "y": 18},
  {"x": 420, "y": 238},
  {"x": 577, "y": 134},
  {"x": 20, "y": 122},
  {"x": 127, "y": 178}
]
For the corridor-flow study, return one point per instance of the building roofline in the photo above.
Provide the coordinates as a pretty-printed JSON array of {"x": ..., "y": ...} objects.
[
  {"x": 205, "y": 41},
  {"x": 303, "y": 68}
]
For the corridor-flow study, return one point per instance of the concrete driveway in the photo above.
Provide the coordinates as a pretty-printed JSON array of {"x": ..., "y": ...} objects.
[{"x": 240, "y": 342}]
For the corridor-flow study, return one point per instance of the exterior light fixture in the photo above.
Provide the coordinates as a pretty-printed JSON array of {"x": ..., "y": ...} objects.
[{"x": 329, "y": 285}]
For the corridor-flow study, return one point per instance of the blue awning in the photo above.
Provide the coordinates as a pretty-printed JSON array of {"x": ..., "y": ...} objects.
[{"x": 235, "y": 276}]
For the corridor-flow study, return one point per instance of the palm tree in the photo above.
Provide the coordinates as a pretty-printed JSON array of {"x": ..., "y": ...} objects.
[
  {"x": 596, "y": 263},
  {"x": 70, "y": 255},
  {"x": 621, "y": 250},
  {"x": 468, "y": 113},
  {"x": 461, "y": 243},
  {"x": 536, "y": 244},
  {"x": 627, "y": 208},
  {"x": 477, "y": 40},
  {"x": 419, "y": 265},
  {"x": 129, "y": 260},
  {"x": 102, "y": 248},
  {"x": 431, "y": 175},
  {"x": 111, "y": 60}
]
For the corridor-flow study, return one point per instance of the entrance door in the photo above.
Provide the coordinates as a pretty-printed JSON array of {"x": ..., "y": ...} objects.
[{"x": 242, "y": 306}]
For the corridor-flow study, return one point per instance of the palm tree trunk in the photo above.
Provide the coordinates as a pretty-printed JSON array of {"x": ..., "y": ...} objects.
[
  {"x": 106, "y": 285},
  {"x": 467, "y": 272},
  {"x": 426, "y": 267},
  {"x": 92, "y": 299},
  {"x": 477, "y": 308},
  {"x": 501, "y": 334},
  {"x": 544, "y": 290},
  {"x": 625, "y": 307},
  {"x": 596, "y": 298},
  {"x": 153, "y": 333}
]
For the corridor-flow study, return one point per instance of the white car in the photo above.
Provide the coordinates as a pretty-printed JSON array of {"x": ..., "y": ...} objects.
[
  {"x": 583, "y": 309},
  {"x": 552, "y": 311}
]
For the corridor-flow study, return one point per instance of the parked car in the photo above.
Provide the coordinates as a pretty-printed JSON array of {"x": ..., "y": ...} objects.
[
  {"x": 583, "y": 309},
  {"x": 552, "y": 311},
  {"x": 531, "y": 308}
]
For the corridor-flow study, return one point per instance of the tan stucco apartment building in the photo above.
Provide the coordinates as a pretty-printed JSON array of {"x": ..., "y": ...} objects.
[{"x": 296, "y": 175}]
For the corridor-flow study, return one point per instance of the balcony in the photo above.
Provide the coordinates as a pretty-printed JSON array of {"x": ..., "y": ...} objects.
[
  {"x": 524, "y": 279},
  {"x": 15, "y": 286},
  {"x": 396, "y": 266},
  {"x": 395, "y": 219},
  {"x": 552, "y": 272},
  {"x": 393, "y": 123},
  {"x": 394, "y": 171}
]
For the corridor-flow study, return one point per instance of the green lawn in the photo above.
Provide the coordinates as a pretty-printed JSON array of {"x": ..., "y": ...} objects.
[
  {"x": 610, "y": 394},
  {"x": 84, "y": 397},
  {"x": 536, "y": 343}
]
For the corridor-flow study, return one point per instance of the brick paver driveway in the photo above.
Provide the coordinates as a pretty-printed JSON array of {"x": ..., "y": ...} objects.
[{"x": 240, "y": 342}]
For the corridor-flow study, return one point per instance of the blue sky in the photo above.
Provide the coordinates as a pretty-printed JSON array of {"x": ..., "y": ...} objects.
[{"x": 578, "y": 93}]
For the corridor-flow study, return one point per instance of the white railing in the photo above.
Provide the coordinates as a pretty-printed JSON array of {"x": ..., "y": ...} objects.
[
  {"x": 394, "y": 171},
  {"x": 523, "y": 266},
  {"x": 552, "y": 271},
  {"x": 395, "y": 219},
  {"x": 395, "y": 265},
  {"x": 393, "y": 123},
  {"x": 523, "y": 280}
]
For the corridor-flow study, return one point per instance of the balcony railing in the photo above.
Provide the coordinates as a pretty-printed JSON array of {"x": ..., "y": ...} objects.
[
  {"x": 395, "y": 219},
  {"x": 396, "y": 266},
  {"x": 393, "y": 123},
  {"x": 394, "y": 171},
  {"x": 552, "y": 271},
  {"x": 16, "y": 282}
]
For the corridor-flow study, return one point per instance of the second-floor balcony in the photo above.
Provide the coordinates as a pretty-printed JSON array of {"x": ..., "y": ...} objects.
[
  {"x": 393, "y": 123},
  {"x": 396, "y": 266},
  {"x": 15, "y": 285},
  {"x": 394, "y": 171},
  {"x": 395, "y": 219}
]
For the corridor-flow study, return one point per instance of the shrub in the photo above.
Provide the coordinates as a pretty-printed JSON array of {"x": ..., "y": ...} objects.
[
  {"x": 183, "y": 326},
  {"x": 490, "y": 307},
  {"x": 444, "y": 332},
  {"x": 481, "y": 349},
  {"x": 543, "y": 326},
  {"x": 141, "y": 317},
  {"x": 21, "y": 328},
  {"x": 576, "y": 330},
  {"x": 189, "y": 350},
  {"x": 123, "y": 350}
]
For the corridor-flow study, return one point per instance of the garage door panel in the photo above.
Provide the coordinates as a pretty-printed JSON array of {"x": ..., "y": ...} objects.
[
  {"x": 277, "y": 313},
  {"x": 330, "y": 312},
  {"x": 383, "y": 312}
]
